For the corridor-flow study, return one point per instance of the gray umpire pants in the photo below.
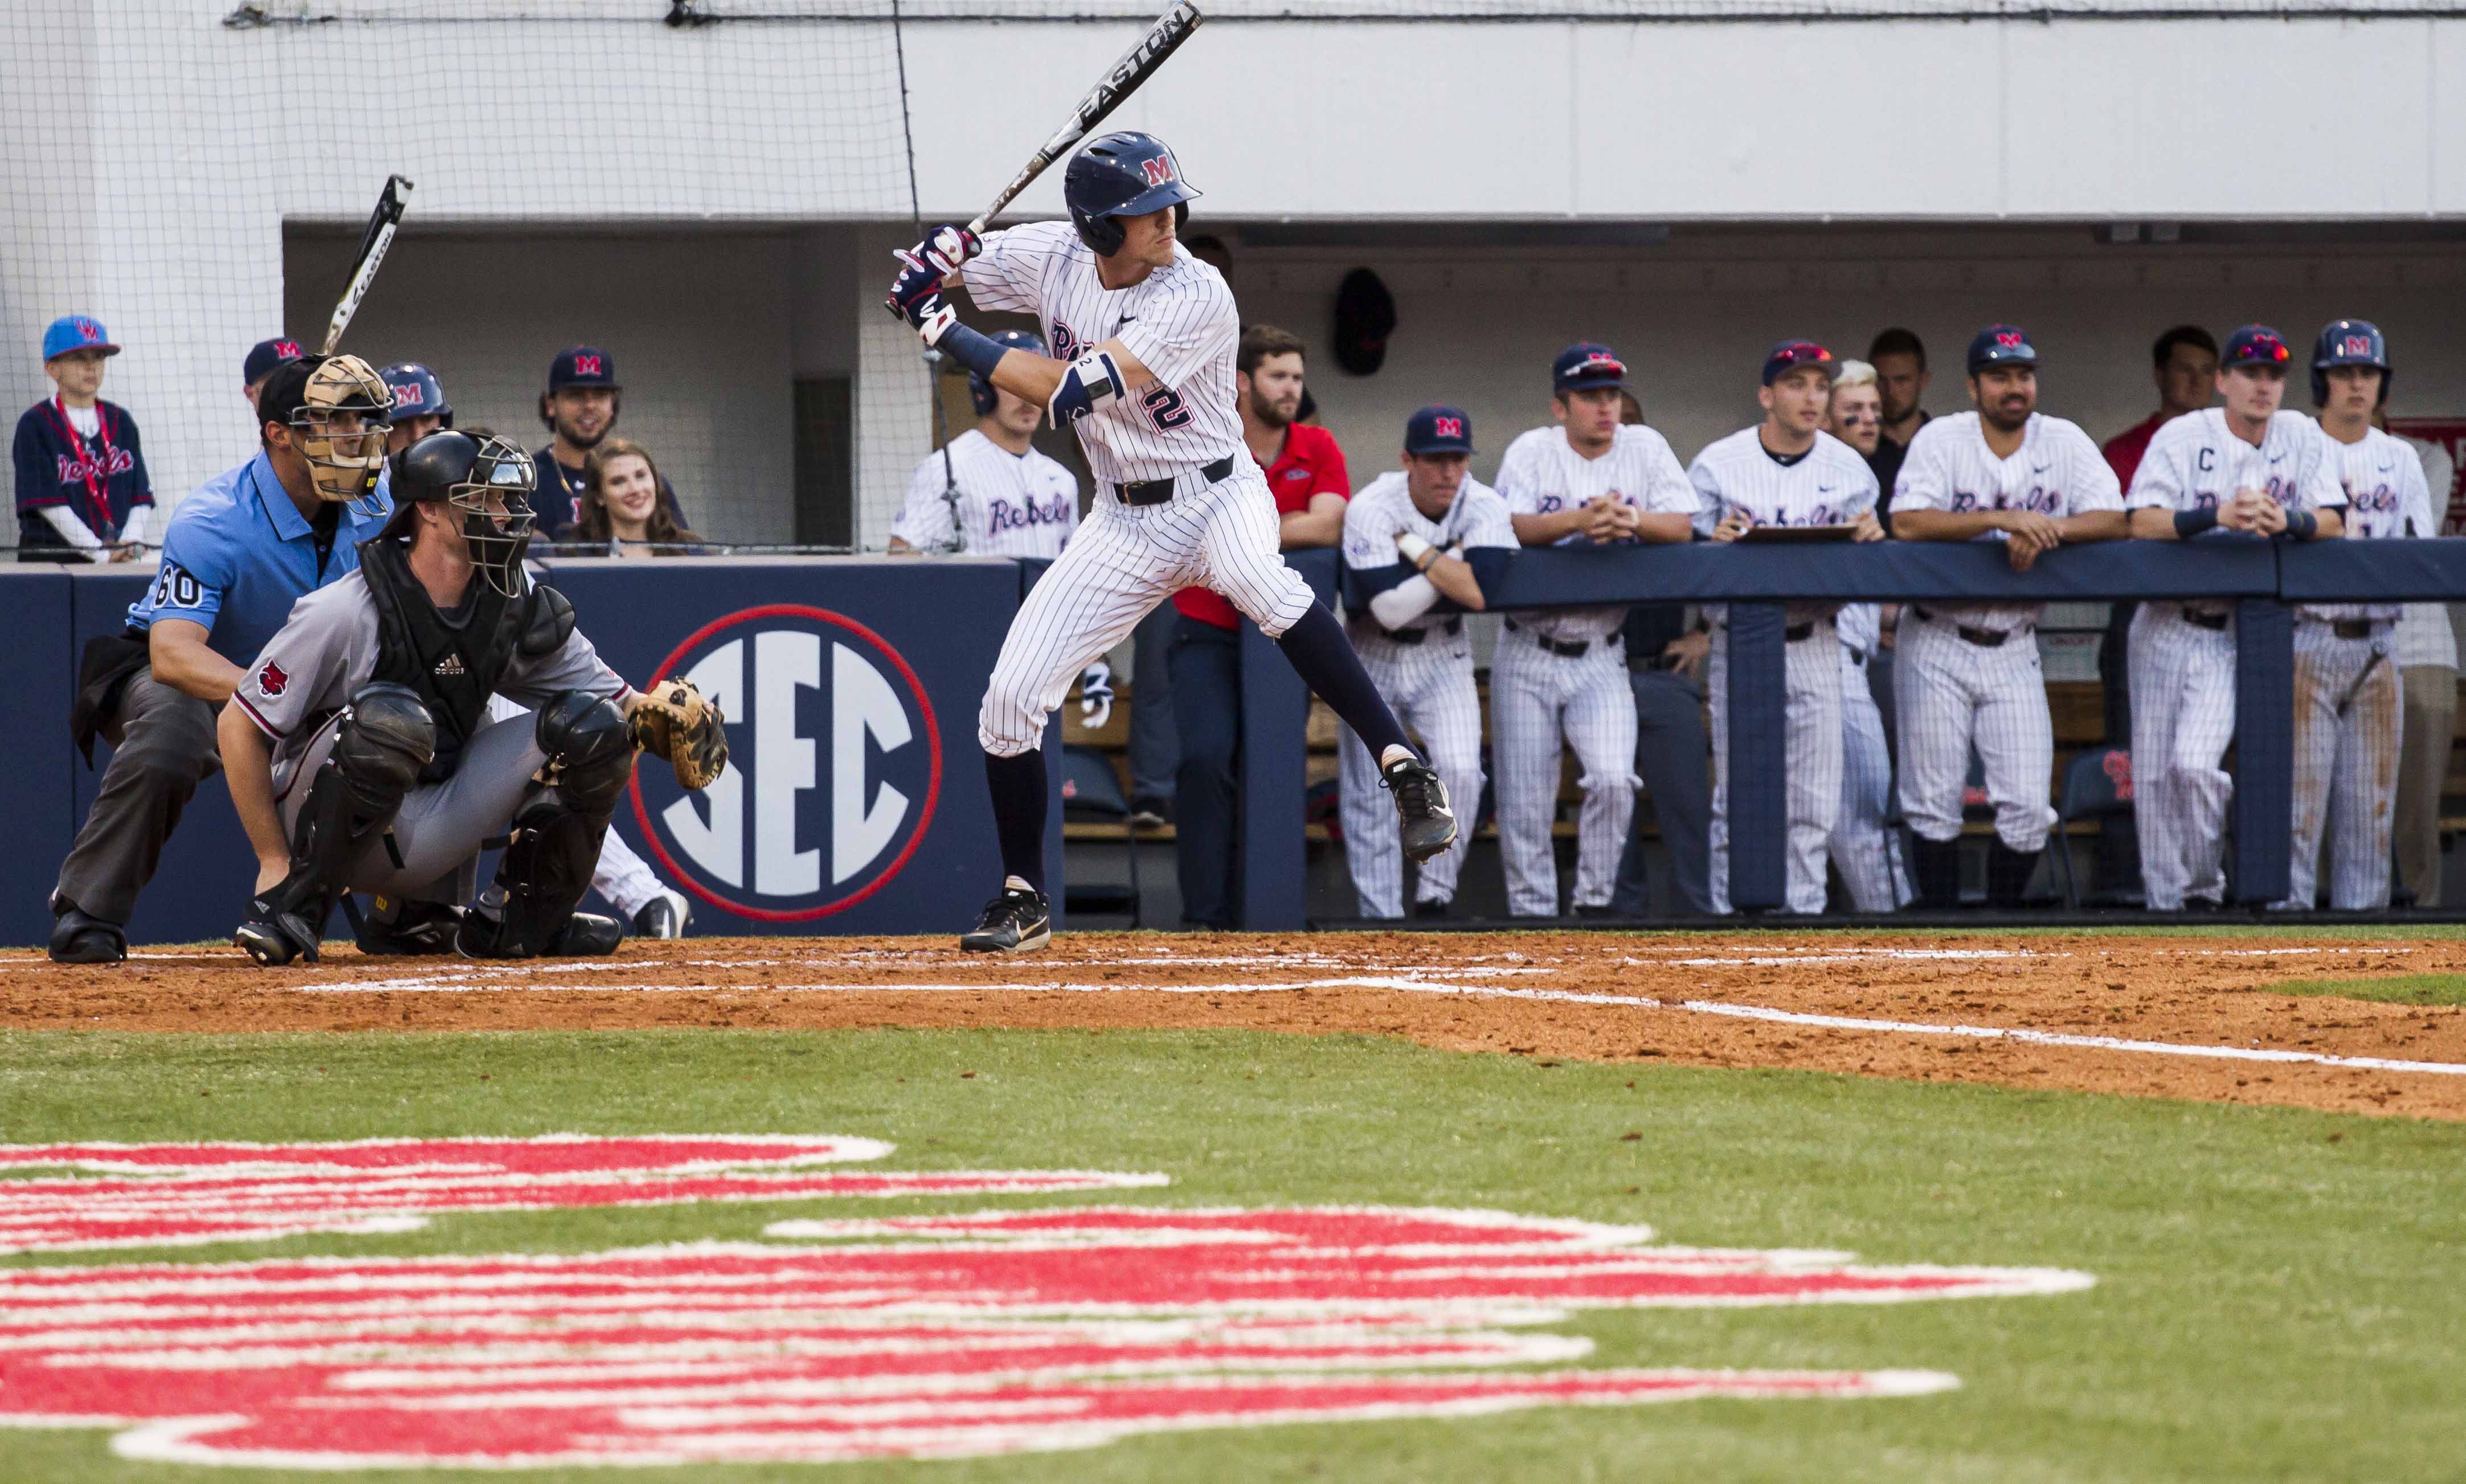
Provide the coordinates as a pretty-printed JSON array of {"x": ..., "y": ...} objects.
[
  {"x": 442, "y": 825},
  {"x": 163, "y": 747},
  {"x": 1670, "y": 753}
]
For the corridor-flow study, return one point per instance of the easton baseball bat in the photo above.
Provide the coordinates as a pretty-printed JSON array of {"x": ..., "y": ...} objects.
[
  {"x": 373, "y": 251},
  {"x": 1136, "y": 65}
]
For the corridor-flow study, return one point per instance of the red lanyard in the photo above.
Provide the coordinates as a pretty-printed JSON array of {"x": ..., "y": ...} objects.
[{"x": 95, "y": 470}]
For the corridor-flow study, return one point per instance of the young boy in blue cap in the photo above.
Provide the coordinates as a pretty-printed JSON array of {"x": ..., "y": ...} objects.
[{"x": 82, "y": 492}]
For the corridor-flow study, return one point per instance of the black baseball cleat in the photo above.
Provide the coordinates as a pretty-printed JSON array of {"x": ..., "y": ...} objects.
[
  {"x": 1013, "y": 922},
  {"x": 1435, "y": 909},
  {"x": 418, "y": 928},
  {"x": 585, "y": 935},
  {"x": 80, "y": 938},
  {"x": 664, "y": 915},
  {"x": 274, "y": 936},
  {"x": 1427, "y": 824}
]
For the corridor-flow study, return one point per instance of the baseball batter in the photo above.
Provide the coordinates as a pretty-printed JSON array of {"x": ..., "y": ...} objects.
[
  {"x": 2348, "y": 699},
  {"x": 1144, "y": 338},
  {"x": 1968, "y": 672},
  {"x": 2246, "y": 467},
  {"x": 1786, "y": 471},
  {"x": 359, "y": 752},
  {"x": 1422, "y": 545},
  {"x": 988, "y": 492},
  {"x": 1586, "y": 480}
]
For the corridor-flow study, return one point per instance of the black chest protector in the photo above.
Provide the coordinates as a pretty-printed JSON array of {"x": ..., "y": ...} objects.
[{"x": 455, "y": 665}]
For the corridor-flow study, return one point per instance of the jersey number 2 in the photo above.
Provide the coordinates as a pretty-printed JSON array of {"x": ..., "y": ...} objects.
[{"x": 1165, "y": 409}]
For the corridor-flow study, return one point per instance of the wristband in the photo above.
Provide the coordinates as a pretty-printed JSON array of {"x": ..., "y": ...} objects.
[
  {"x": 2189, "y": 524},
  {"x": 1414, "y": 548},
  {"x": 2301, "y": 525},
  {"x": 977, "y": 352}
]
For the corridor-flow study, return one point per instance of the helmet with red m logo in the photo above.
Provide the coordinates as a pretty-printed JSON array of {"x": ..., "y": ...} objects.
[
  {"x": 2348, "y": 342},
  {"x": 1122, "y": 174}
]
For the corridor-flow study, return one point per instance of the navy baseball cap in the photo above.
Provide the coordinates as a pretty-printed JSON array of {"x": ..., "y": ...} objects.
[
  {"x": 1439, "y": 430},
  {"x": 1585, "y": 364},
  {"x": 2255, "y": 345},
  {"x": 265, "y": 355},
  {"x": 583, "y": 365},
  {"x": 76, "y": 332},
  {"x": 2001, "y": 345},
  {"x": 1791, "y": 354}
]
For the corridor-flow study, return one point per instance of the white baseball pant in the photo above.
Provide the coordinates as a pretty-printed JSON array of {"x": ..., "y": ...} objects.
[
  {"x": 1534, "y": 698},
  {"x": 1811, "y": 677},
  {"x": 621, "y": 877},
  {"x": 1955, "y": 696},
  {"x": 2348, "y": 728},
  {"x": 1430, "y": 688},
  {"x": 2183, "y": 717},
  {"x": 1122, "y": 562},
  {"x": 1864, "y": 848}
]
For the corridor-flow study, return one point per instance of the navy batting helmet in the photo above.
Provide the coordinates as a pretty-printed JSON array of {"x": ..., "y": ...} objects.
[
  {"x": 981, "y": 390},
  {"x": 2348, "y": 342},
  {"x": 1123, "y": 174},
  {"x": 416, "y": 392}
]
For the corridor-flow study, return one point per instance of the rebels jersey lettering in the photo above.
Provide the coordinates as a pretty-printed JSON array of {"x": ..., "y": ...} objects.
[
  {"x": 2385, "y": 497},
  {"x": 1831, "y": 485},
  {"x": 1543, "y": 473},
  {"x": 2195, "y": 463},
  {"x": 1178, "y": 321},
  {"x": 2056, "y": 472},
  {"x": 1009, "y": 504},
  {"x": 56, "y": 464}
]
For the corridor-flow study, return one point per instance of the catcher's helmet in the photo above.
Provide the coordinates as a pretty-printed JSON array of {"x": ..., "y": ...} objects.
[
  {"x": 2348, "y": 342},
  {"x": 417, "y": 392},
  {"x": 981, "y": 390},
  {"x": 467, "y": 470},
  {"x": 1122, "y": 174}
]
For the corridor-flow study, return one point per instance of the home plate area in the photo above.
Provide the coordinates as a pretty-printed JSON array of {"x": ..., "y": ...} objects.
[{"x": 839, "y": 1337}]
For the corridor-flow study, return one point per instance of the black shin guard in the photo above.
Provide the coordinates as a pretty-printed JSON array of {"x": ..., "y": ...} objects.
[
  {"x": 1019, "y": 787},
  {"x": 1935, "y": 866},
  {"x": 2007, "y": 875},
  {"x": 385, "y": 738},
  {"x": 557, "y": 833},
  {"x": 1324, "y": 658}
]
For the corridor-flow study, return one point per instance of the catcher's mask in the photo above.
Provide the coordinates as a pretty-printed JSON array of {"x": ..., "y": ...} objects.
[
  {"x": 338, "y": 425},
  {"x": 486, "y": 478}
]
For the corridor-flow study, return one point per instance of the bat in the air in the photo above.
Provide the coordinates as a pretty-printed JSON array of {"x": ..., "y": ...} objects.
[
  {"x": 1122, "y": 79},
  {"x": 373, "y": 251}
]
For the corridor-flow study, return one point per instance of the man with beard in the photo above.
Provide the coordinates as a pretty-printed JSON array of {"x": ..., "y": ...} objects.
[
  {"x": 1306, "y": 475},
  {"x": 1969, "y": 675},
  {"x": 1900, "y": 360},
  {"x": 580, "y": 408}
]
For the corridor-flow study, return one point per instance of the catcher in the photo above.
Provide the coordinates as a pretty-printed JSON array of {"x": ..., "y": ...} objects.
[{"x": 359, "y": 753}]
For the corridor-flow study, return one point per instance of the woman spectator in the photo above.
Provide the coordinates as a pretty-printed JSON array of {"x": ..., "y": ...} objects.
[{"x": 620, "y": 508}]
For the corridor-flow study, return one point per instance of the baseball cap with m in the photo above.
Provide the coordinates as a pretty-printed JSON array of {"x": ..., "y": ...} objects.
[
  {"x": 1584, "y": 364},
  {"x": 583, "y": 365},
  {"x": 1791, "y": 354},
  {"x": 265, "y": 355},
  {"x": 2001, "y": 345},
  {"x": 1437, "y": 430},
  {"x": 76, "y": 332}
]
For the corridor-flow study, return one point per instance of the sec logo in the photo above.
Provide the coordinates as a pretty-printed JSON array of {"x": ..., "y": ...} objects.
[{"x": 835, "y": 763}]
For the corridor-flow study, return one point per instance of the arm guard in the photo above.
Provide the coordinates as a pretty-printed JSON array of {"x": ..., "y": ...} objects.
[{"x": 1091, "y": 380}]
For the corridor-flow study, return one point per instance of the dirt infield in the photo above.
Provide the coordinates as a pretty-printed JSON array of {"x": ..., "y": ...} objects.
[{"x": 2159, "y": 1017}]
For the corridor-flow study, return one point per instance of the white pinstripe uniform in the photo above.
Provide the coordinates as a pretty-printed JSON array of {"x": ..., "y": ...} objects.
[
  {"x": 1536, "y": 694},
  {"x": 1831, "y": 485},
  {"x": 1428, "y": 680},
  {"x": 2183, "y": 655},
  {"x": 1009, "y": 504},
  {"x": 1864, "y": 849},
  {"x": 2347, "y": 711},
  {"x": 1955, "y": 692},
  {"x": 1126, "y": 558}
]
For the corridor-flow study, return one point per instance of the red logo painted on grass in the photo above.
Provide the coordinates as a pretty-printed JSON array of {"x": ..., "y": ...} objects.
[
  {"x": 176, "y": 1194},
  {"x": 926, "y": 1337}
]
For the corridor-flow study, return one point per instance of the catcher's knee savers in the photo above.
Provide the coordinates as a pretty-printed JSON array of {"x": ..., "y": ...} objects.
[
  {"x": 558, "y": 829},
  {"x": 387, "y": 736}
]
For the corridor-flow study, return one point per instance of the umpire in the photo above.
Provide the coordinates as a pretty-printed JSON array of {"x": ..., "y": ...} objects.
[{"x": 242, "y": 548}]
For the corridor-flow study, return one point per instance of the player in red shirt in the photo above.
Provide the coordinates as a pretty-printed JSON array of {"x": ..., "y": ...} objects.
[{"x": 1306, "y": 475}]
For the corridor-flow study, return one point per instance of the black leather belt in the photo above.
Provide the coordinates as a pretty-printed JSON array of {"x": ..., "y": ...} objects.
[
  {"x": 2213, "y": 621},
  {"x": 2351, "y": 627},
  {"x": 1156, "y": 492},
  {"x": 1451, "y": 628},
  {"x": 1857, "y": 655},
  {"x": 1806, "y": 631},
  {"x": 1564, "y": 649},
  {"x": 1983, "y": 638}
]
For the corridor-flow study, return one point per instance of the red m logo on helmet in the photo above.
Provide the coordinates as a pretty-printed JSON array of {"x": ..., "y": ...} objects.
[
  {"x": 1158, "y": 170},
  {"x": 2358, "y": 345},
  {"x": 1447, "y": 427}
]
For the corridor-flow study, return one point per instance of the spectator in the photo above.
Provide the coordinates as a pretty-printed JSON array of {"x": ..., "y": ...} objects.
[
  {"x": 1305, "y": 474},
  {"x": 1864, "y": 849},
  {"x": 419, "y": 404},
  {"x": 2426, "y": 660},
  {"x": 580, "y": 408},
  {"x": 83, "y": 491},
  {"x": 259, "y": 364},
  {"x": 620, "y": 507},
  {"x": 1899, "y": 359}
]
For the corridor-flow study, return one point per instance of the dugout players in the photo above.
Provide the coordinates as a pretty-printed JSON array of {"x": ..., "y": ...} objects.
[
  {"x": 1586, "y": 480},
  {"x": 1786, "y": 471},
  {"x": 988, "y": 492},
  {"x": 1968, "y": 671},
  {"x": 83, "y": 491},
  {"x": 419, "y": 404},
  {"x": 244, "y": 546},
  {"x": 1307, "y": 479},
  {"x": 1866, "y": 850}
]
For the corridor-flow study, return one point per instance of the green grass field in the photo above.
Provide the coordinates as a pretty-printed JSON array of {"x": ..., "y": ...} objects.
[{"x": 2277, "y": 1298}]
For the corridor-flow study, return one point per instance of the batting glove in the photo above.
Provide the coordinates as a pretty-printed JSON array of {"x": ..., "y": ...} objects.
[
  {"x": 945, "y": 249},
  {"x": 1096, "y": 696}
]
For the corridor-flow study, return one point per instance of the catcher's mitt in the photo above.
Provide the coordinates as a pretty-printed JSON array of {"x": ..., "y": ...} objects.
[{"x": 682, "y": 724}]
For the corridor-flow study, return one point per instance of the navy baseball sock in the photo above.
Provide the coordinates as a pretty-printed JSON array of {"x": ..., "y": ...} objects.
[
  {"x": 1324, "y": 657},
  {"x": 1017, "y": 785}
]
